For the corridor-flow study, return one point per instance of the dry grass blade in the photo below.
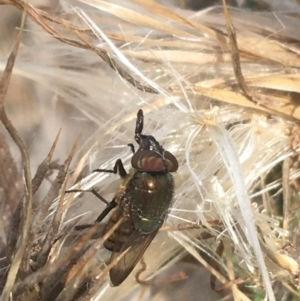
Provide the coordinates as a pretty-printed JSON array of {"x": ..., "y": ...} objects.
[
  {"x": 291, "y": 289},
  {"x": 286, "y": 190},
  {"x": 198, "y": 257},
  {"x": 165, "y": 12},
  {"x": 77, "y": 265},
  {"x": 10, "y": 181},
  {"x": 27, "y": 206},
  {"x": 269, "y": 102},
  {"x": 41, "y": 18},
  {"x": 12, "y": 185},
  {"x": 42, "y": 212},
  {"x": 173, "y": 278},
  {"x": 57, "y": 218},
  {"x": 235, "y": 55},
  {"x": 238, "y": 295},
  {"x": 216, "y": 266},
  {"x": 140, "y": 19},
  {"x": 55, "y": 267},
  {"x": 14, "y": 231},
  {"x": 78, "y": 274},
  {"x": 216, "y": 224},
  {"x": 60, "y": 21},
  {"x": 78, "y": 287},
  {"x": 43, "y": 168},
  {"x": 95, "y": 285},
  {"x": 230, "y": 97},
  {"x": 115, "y": 66},
  {"x": 44, "y": 206},
  {"x": 55, "y": 282},
  {"x": 286, "y": 262}
]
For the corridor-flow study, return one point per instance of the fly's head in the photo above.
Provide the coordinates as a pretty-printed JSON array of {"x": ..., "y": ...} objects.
[{"x": 151, "y": 156}]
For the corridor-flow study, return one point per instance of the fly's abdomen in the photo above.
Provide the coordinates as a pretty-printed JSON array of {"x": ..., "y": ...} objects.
[{"x": 120, "y": 235}]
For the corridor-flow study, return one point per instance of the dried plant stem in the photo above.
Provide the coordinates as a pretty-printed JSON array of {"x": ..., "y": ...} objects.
[
  {"x": 61, "y": 180},
  {"x": 286, "y": 262},
  {"x": 27, "y": 206},
  {"x": 57, "y": 266},
  {"x": 94, "y": 288},
  {"x": 216, "y": 224},
  {"x": 241, "y": 81},
  {"x": 10, "y": 180},
  {"x": 216, "y": 266},
  {"x": 286, "y": 190},
  {"x": 238, "y": 295},
  {"x": 115, "y": 66},
  {"x": 259, "y": 101},
  {"x": 235, "y": 55},
  {"x": 78, "y": 272},
  {"x": 43, "y": 167},
  {"x": 173, "y": 278},
  {"x": 41, "y": 18},
  {"x": 58, "y": 215}
]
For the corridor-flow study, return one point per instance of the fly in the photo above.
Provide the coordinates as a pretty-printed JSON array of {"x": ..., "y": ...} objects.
[{"x": 142, "y": 201}]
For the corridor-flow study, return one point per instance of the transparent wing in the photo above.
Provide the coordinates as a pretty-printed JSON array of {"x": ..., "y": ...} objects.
[{"x": 138, "y": 244}]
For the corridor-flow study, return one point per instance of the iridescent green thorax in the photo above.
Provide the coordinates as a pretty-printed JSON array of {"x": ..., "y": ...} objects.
[{"x": 149, "y": 196}]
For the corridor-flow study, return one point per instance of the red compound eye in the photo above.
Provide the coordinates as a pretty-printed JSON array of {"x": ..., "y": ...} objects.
[{"x": 151, "y": 161}]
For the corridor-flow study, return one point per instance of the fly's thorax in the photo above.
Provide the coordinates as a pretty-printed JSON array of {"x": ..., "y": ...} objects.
[
  {"x": 152, "y": 182},
  {"x": 149, "y": 196}
]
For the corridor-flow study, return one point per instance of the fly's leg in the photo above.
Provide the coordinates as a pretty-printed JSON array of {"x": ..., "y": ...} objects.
[
  {"x": 118, "y": 169},
  {"x": 132, "y": 148},
  {"x": 93, "y": 191},
  {"x": 101, "y": 216},
  {"x": 109, "y": 206}
]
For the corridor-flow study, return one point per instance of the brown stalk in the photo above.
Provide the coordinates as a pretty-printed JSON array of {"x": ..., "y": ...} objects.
[
  {"x": 95, "y": 285},
  {"x": 43, "y": 168},
  {"x": 43, "y": 207},
  {"x": 27, "y": 201},
  {"x": 286, "y": 191},
  {"x": 39, "y": 18},
  {"x": 57, "y": 218},
  {"x": 216, "y": 224},
  {"x": 10, "y": 181},
  {"x": 173, "y": 278},
  {"x": 115, "y": 66},
  {"x": 259, "y": 101},
  {"x": 216, "y": 266},
  {"x": 235, "y": 55},
  {"x": 54, "y": 267},
  {"x": 78, "y": 272},
  {"x": 42, "y": 211}
]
